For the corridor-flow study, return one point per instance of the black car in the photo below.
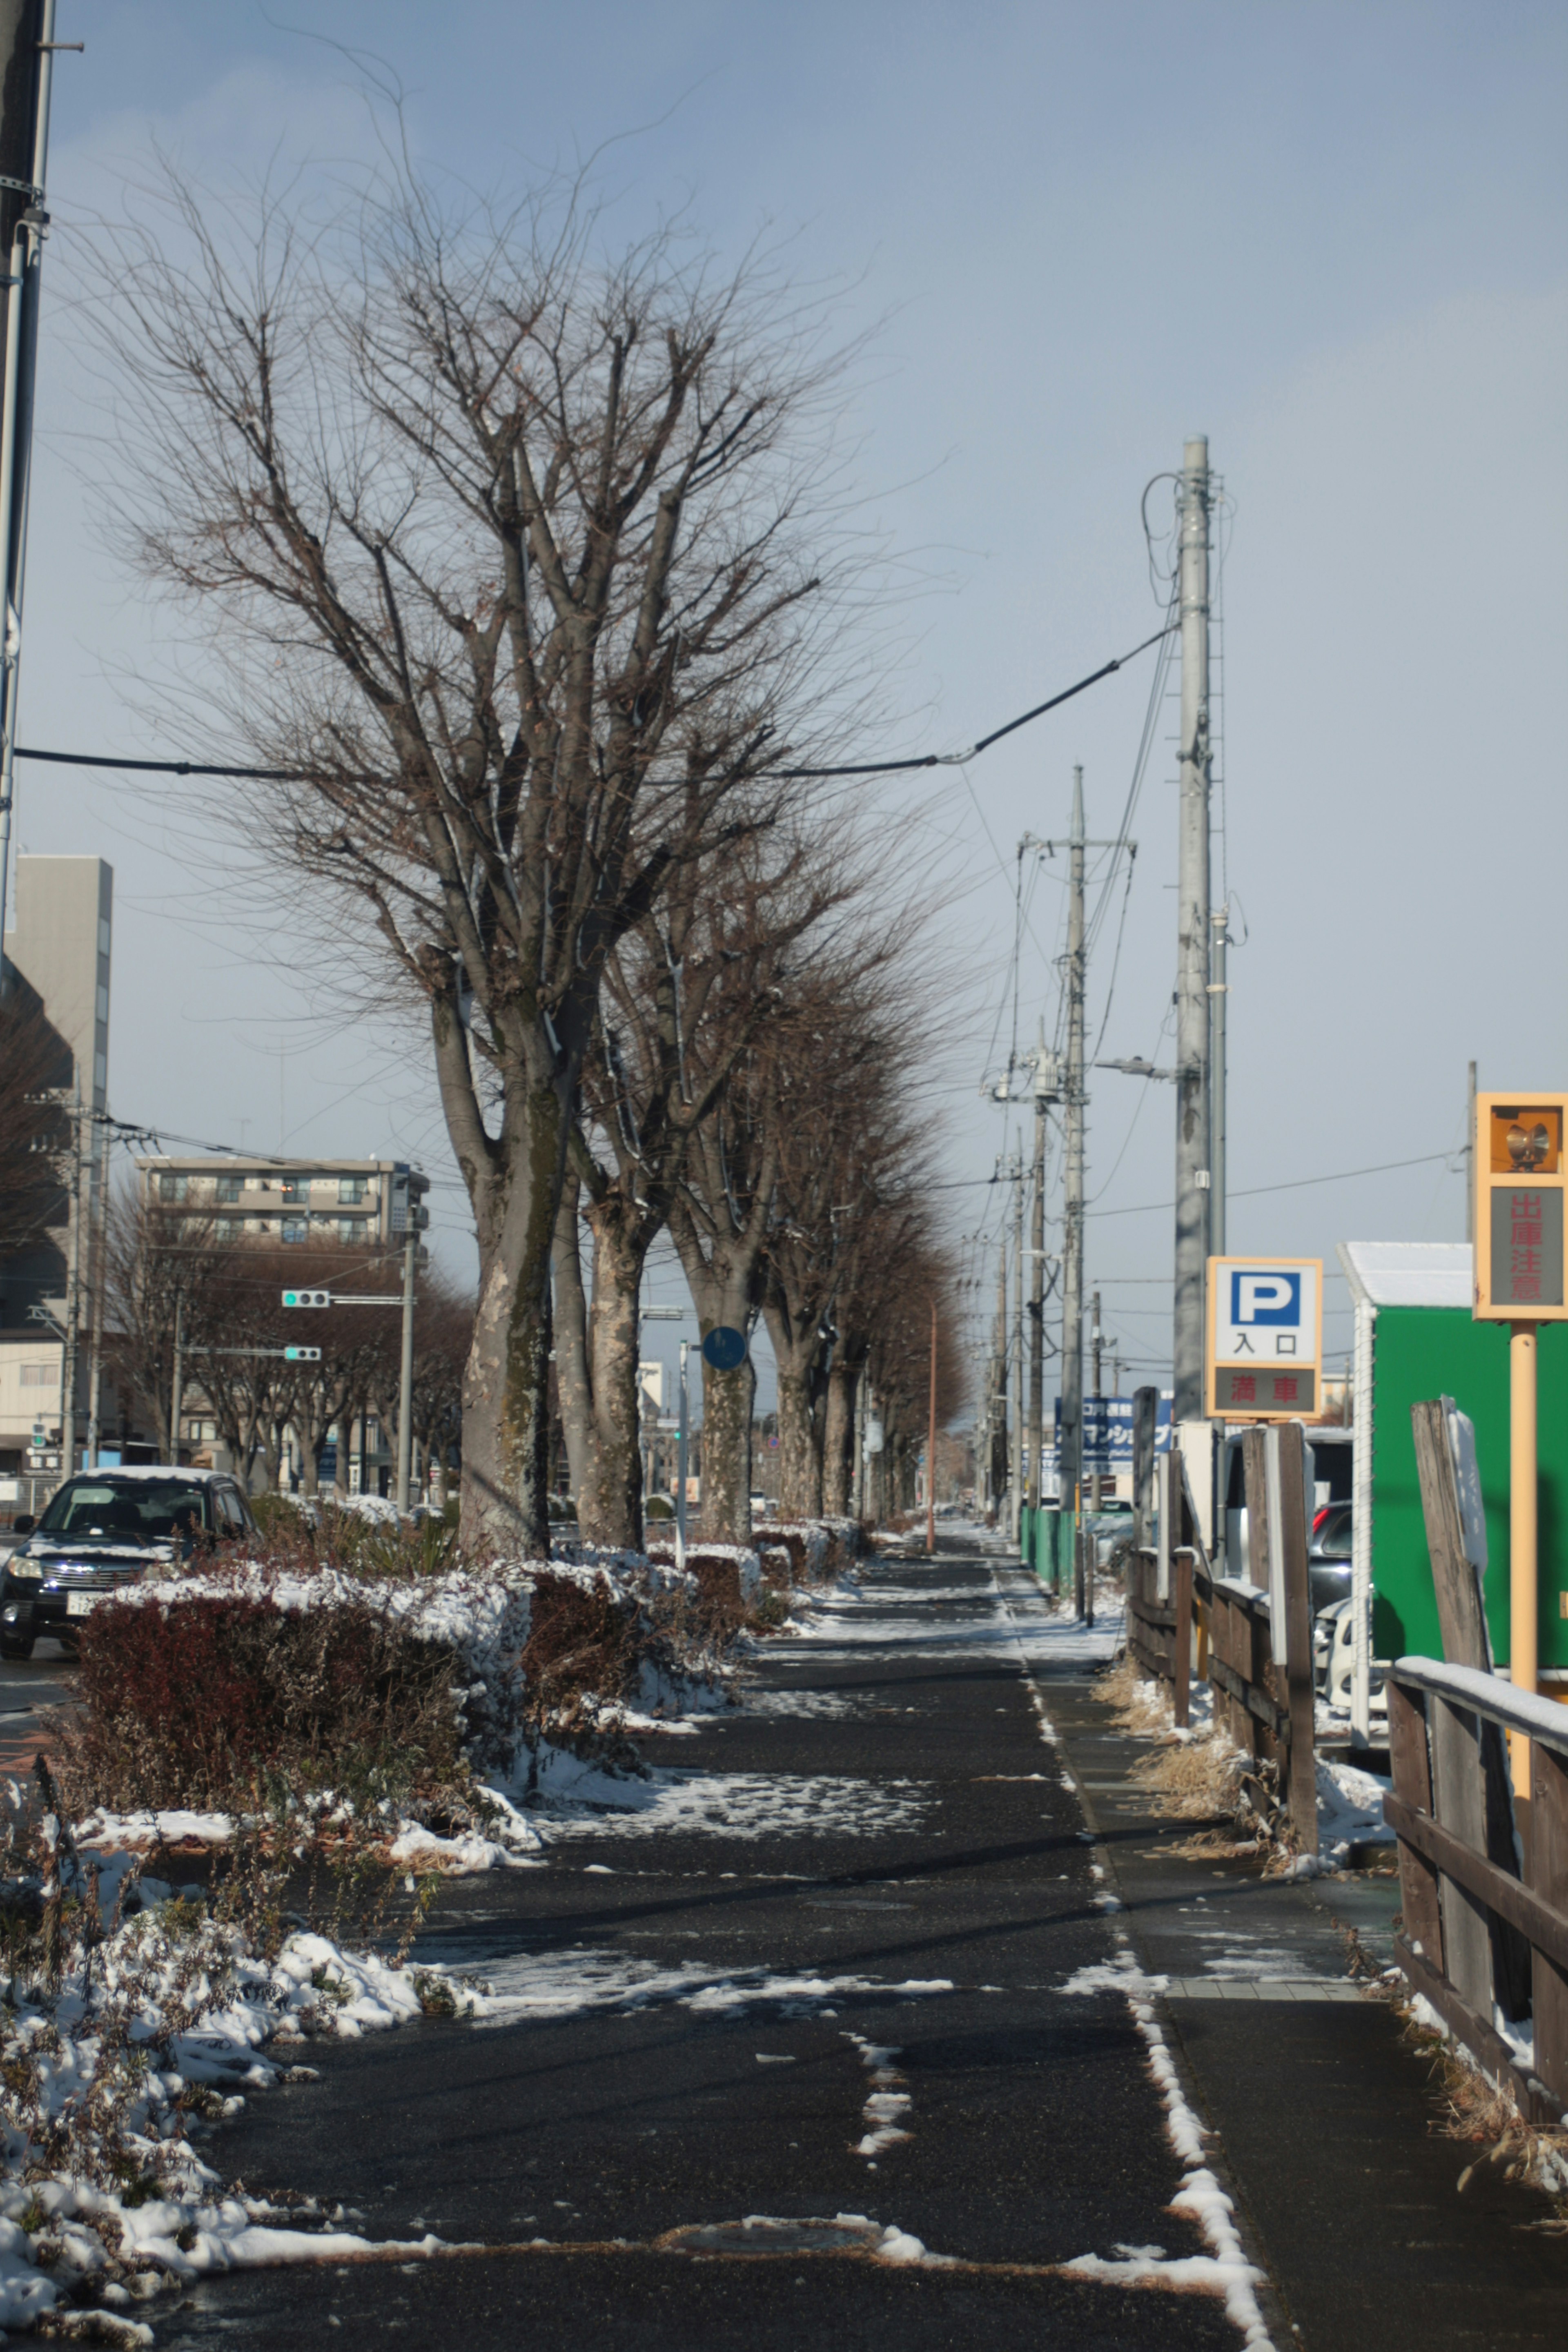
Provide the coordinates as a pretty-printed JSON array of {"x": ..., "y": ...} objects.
[{"x": 105, "y": 1529}]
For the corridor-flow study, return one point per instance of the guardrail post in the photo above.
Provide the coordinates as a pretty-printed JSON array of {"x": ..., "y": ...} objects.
[
  {"x": 1181, "y": 1637},
  {"x": 1549, "y": 1879},
  {"x": 1298, "y": 1643},
  {"x": 1418, "y": 1882},
  {"x": 1459, "y": 1805}
]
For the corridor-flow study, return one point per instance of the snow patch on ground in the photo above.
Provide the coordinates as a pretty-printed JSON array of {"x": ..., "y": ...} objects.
[
  {"x": 543, "y": 1985},
  {"x": 888, "y": 2104},
  {"x": 582, "y": 1802}
]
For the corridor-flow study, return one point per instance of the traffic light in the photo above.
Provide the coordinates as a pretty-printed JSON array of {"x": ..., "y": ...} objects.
[
  {"x": 307, "y": 1298},
  {"x": 408, "y": 1189},
  {"x": 302, "y": 1355},
  {"x": 1519, "y": 1201}
]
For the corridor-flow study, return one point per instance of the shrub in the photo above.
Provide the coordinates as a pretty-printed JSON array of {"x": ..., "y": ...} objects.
[
  {"x": 213, "y": 1701},
  {"x": 585, "y": 1640}
]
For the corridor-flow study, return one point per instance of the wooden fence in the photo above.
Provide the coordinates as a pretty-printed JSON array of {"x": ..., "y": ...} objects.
[
  {"x": 1261, "y": 1672},
  {"x": 1472, "y": 1905}
]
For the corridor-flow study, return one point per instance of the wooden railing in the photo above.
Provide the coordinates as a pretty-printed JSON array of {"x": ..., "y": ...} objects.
[{"x": 1483, "y": 1924}]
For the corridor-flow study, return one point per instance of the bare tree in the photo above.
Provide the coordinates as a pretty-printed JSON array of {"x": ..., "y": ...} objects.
[
  {"x": 687, "y": 994},
  {"x": 160, "y": 1266},
  {"x": 514, "y": 556}
]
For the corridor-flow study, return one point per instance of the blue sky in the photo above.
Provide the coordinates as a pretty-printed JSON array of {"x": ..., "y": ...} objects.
[{"x": 1331, "y": 237}]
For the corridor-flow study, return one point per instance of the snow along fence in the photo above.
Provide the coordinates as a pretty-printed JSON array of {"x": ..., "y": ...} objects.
[{"x": 1484, "y": 1876}]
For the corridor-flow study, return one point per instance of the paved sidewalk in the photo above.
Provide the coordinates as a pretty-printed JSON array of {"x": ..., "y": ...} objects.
[
  {"x": 1325, "y": 2118},
  {"x": 860, "y": 1955}
]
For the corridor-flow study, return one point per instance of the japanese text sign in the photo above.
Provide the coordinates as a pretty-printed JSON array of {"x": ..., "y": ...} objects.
[
  {"x": 1519, "y": 1166},
  {"x": 1265, "y": 1347}
]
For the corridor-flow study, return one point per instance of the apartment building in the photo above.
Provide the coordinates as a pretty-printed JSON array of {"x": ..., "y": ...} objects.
[
  {"x": 59, "y": 949},
  {"x": 354, "y": 1204}
]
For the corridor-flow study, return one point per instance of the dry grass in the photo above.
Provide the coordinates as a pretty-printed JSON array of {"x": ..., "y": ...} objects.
[
  {"x": 1200, "y": 1781},
  {"x": 1193, "y": 1779},
  {"x": 1141, "y": 1707}
]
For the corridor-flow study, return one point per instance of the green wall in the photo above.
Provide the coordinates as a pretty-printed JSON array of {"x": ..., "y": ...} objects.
[{"x": 1429, "y": 1352}]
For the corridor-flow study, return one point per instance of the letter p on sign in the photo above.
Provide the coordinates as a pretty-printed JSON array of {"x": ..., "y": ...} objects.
[{"x": 1265, "y": 1299}]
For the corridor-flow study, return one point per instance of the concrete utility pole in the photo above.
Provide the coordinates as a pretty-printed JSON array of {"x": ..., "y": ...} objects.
[
  {"x": 1219, "y": 989},
  {"x": 176, "y": 1386},
  {"x": 1016, "y": 1477},
  {"x": 1193, "y": 999},
  {"x": 70, "y": 1347},
  {"x": 1096, "y": 1338},
  {"x": 1038, "y": 1287},
  {"x": 27, "y": 47},
  {"x": 998, "y": 1467},
  {"x": 1071, "y": 1466}
]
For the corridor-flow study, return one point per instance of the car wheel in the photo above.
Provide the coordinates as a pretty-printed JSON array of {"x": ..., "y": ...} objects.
[{"x": 15, "y": 1646}]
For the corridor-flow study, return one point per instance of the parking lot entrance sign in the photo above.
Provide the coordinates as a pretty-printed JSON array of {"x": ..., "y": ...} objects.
[{"x": 1265, "y": 1352}]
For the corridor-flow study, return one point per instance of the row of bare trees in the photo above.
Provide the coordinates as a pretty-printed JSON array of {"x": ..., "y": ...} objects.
[
  {"x": 169, "y": 1277},
  {"x": 526, "y": 573}
]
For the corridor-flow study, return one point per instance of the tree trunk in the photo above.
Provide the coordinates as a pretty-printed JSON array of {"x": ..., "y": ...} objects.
[
  {"x": 609, "y": 1498},
  {"x": 800, "y": 1464},
  {"x": 838, "y": 1442},
  {"x": 506, "y": 1383},
  {"x": 573, "y": 1388},
  {"x": 727, "y": 1399}
]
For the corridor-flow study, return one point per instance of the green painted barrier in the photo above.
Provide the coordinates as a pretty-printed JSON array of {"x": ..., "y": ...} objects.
[{"x": 1427, "y": 1351}]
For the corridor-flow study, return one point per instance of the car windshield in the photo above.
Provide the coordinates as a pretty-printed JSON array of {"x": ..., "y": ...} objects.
[{"x": 146, "y": 1510}]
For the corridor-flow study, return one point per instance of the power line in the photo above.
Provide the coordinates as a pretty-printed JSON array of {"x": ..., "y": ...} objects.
[
  {"x": 1296, "y": 1183},
  {"x": 778, "y": 775}
]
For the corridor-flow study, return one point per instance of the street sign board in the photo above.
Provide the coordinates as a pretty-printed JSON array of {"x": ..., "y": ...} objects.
[
  {"x": 1518, "y": 1179},
  {"x": 1264, "y": 1353},
  {"x": 1108, "y": 1431},
  {"x": 725, "y": 1347},
  {"x": 307, "y": 1298}
]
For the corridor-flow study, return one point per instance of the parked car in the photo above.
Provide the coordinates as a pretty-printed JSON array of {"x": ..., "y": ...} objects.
[
  {"x": 1334, "y": 1657},
  {"x": 1329, "y": 1555},
  {"x": 104, "y": 1529}
]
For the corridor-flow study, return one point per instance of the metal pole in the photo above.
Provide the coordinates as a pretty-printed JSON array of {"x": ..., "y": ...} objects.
[
  {"x": 1037, "y": 1297},
  {"x": 1471, "y": 1161},
  {"x": 98, "y": 1250},
  {"x": 680, "y": 1467},
  {"x": 1096, "y": 1336},
  {"x": 1071, "y": 1467},
  {"x": 16, "y": 433},
  {"x": 177, "y": 1384},
  {"x": 1525, "y": 1603},
  {"x": 1219, "y": 989},
  {"x": 1193, "y": 941},
  {"x": 71, "y": 1348},
  {"x": 931, "y": 1446},
  {"x": 405, "y": 1370},
  {"x": 1015, "y": 1481}
]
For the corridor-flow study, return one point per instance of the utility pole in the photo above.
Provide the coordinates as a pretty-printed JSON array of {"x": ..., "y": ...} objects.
[
  {"x": 1038, "y": 1290},
  {"x": 1471, "y": 1161},
  {"x": 27, "y": 46},
  {"x": 1070, "y": 1468},
  {"x": 1015, "y": 1479},
  {"x": 680, "y": 1455},
  {"x": 97, "y": 1247},
  {"x": 1096, "y": 1336},
  {"x": 176, "y": 1386},
  {"x": 1193, "y": 928},
  {"x": 70, "y": 1347},
  {"x": 409, "y": 1188},
  {"x": 998, "y": 1466},
  {"x": 931, "y": 1446},
  {"x": 1219, "y": 989}
]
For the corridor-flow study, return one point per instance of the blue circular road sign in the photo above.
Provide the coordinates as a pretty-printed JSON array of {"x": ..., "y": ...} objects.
[{"x": 725, "y": 1347}]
